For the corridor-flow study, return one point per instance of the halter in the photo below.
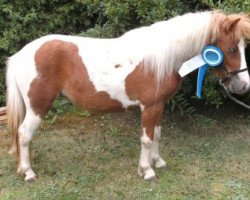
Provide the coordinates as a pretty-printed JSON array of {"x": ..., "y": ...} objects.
[{"x": 228, "y": 74}]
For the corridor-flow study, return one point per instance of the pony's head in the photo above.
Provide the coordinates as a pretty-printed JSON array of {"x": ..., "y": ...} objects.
[{"x": 230, "y": 34}]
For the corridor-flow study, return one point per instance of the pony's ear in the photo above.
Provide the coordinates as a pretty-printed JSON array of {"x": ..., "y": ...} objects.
[
  {"x": 233, "y": 24},
  {"x": 230, "y": 24}
]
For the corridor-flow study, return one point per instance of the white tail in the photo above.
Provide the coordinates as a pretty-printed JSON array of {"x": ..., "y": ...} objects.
[{"x": 15, "y": 106}]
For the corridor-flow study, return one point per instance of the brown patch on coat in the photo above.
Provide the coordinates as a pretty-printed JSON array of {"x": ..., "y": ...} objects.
[
  {"x": 142, "y": 86},
  {"x": 118, "y": 65},
  {"x": 61, "y": 69}
]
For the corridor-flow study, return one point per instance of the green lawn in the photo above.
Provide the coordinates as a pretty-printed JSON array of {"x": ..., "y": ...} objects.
[{"x": 95, "y": 157}]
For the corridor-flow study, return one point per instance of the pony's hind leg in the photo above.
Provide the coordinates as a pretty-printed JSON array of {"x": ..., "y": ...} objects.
[{"x": 25, "y": 132}]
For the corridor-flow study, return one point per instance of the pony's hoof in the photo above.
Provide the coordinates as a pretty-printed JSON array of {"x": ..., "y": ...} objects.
[
  {"x": 30, "y": 176},
  {"x": 31, "y": 179},
  {"x": 150, "y": 175},
  {"x": 160, "y": 163},
  {"x": 152, "y": 179}
]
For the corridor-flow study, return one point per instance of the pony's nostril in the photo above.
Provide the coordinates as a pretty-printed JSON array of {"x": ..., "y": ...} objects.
[{"x": 245, "y": 88}]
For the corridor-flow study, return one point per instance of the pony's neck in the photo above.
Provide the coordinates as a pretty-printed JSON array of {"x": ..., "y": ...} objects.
[{"x": 167, "y": 44}]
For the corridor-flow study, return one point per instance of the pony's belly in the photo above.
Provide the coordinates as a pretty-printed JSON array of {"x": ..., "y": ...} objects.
[
  {"x": 99, "y": 101},
  {"x": 110, "y": 91}
]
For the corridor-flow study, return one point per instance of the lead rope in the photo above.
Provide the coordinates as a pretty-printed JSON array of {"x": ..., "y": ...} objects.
[{"x": 221, "y": 81}]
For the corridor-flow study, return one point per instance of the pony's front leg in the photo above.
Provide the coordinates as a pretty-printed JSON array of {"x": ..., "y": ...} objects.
[
  {"x": 155, "y": 156},
  {"x": 25, "y": 132},
  {"x": 144, "y": 168},
  {"x": 150, "y": 120}
]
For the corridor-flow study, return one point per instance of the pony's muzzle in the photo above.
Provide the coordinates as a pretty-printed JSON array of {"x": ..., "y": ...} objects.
[
  {"x": 240, "y": 88},
  {"x": 245, "y": 88}
]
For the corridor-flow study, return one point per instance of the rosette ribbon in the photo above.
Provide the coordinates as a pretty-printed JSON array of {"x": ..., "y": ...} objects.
[{"x": 211, "y": 56}]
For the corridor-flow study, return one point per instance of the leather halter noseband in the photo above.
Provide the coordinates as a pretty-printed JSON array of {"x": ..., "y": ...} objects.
[{"x": 228, "y": 74}]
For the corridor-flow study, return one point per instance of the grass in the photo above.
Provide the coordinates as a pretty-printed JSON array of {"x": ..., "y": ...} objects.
[{"x": 83, "y": 156}]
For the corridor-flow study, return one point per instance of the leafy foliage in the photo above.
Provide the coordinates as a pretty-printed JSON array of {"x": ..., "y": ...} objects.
[
  {"x": 60, "y": 106},
  {"x": 32, "y": 19},
  {"x": 213, "y": 93},
  {"x": 229, "y": 6},
  {"x": 116, "y": 17},
  {"x": 22, "y": 22},
  {"x": 182, "y": 103}
]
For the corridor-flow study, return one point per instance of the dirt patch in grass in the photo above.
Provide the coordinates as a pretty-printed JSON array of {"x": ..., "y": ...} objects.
[{"x": 82, "y": 156}]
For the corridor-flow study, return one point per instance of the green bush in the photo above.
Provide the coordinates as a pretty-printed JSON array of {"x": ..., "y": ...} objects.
[
  {"x": 119, "y": 16},
  {"x": 22, "y": 22},
  {"x": 229, "y": 6}
]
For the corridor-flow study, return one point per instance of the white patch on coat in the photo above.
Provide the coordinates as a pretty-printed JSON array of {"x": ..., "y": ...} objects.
[
  {"x": 157, "y": 133},
  {"x": 243, "y": 76},
  {"x": 155, "y": 156},
  {"x": 26, "y": 131},
  {"x": 102, "y": 71},
  {"x": 144, "y": 163}
]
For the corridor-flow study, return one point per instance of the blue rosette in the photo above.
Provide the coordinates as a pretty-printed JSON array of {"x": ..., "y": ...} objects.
[{"x": 213, "y": 57}]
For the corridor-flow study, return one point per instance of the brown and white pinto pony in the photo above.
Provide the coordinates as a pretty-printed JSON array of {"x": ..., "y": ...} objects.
[{"x": 138, "y": 68}]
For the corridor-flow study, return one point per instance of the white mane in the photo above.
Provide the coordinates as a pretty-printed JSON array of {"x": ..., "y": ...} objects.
[{"x": 165, "y": 45}]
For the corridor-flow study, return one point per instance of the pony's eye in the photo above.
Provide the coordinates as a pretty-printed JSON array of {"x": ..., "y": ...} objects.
[{"x": 232, "y": 50}]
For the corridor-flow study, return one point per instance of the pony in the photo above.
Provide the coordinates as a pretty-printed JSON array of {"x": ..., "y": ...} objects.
[{"x": 139, "y": 68}]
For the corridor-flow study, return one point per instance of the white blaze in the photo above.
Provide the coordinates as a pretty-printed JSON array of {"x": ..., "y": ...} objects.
[{"x": 243, "y": 76}]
